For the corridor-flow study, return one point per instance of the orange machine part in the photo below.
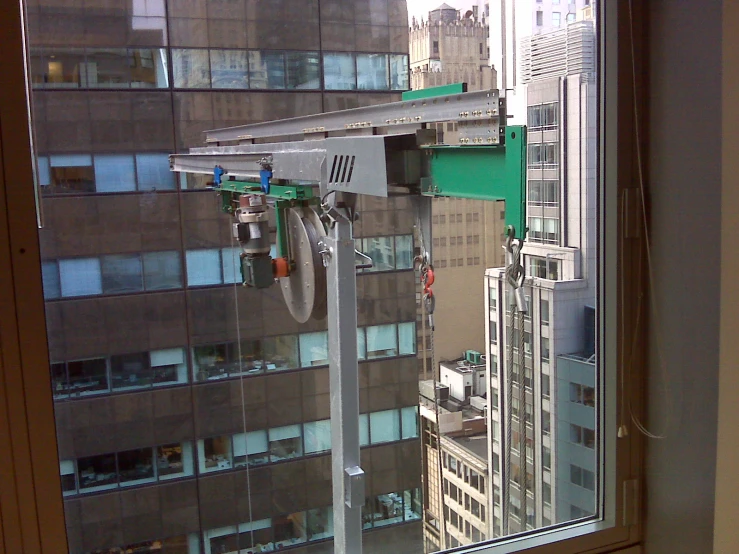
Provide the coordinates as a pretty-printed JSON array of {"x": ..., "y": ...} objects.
[{"x": 280, "y": 267}]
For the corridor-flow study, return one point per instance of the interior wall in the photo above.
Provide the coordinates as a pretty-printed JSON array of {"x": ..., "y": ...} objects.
[
  {"x": 683, "y": 145},
  {"x": 726, "y": 538}
]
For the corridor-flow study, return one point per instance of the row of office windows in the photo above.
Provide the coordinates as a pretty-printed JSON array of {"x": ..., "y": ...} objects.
[
  {"x": 104, "y": 173},
  {"x": 174, "y": 461},
  {"x": 457, "y": 262},
  {"x": 202, "y": 68},
  {"x": 473, "y": 217},
  {"x": 281, "y": 532},
  {"x": 278, "y": 533},
  {"x": 457, "y": 241},
  {"x": 156, "y": 271},
  {"x": 143, "y": 370},
  {"x": 256, "y": 448}
]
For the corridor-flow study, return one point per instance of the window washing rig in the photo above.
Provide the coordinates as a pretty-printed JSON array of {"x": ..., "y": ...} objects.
[{"x": 310, "y": 170}]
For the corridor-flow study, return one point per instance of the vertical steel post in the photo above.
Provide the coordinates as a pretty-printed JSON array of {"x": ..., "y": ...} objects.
[{"x": 347, "y": 476}]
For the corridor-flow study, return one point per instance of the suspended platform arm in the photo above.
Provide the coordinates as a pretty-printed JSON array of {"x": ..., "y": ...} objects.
[{"x": 377, "y": 151}]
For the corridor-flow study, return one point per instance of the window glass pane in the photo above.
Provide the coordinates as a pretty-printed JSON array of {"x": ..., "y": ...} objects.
[
  {"x": 303, "y": 70},
  {"x": 174, "y": 461},
  {"x": 314, "y": 349},
  {"x": 52, "y": 284},
  {"x": 191, "y": 68},
  {"x": 44, "y": 172},
  {"x": 114, "y": 173},
  {"x": 88, "y": 376},
  {"x": 162, "y": 270},
  {"x": 384, "y": 426},
  {"x": 229, "y": 69},
  {"x": 80, "y": 277},
  {"x": 407, "y": 338},
  {"x": 364, "y": 430},
  {"x": 281, "y": 352},
  {"x": 381, "y": 341},
  {"x": 386, "y": 509},
  {"x": 152, "y": 171},
  {"x": 97, "y": 473},
  {"x": 122, "y": 274},
  {"x": 409, "y": 415},
  {"x": 168, "y": 366},
  {"x": 382, "y": 252},
  {"x": 361, "y": 345},
  {"x": 72, "y": 173},
  {"x": 339, "y": 72},
  {"x": 214, "y": 454},
  {"x": 404, "y": 252},
  {"x": 68, "y": 473},
  {"x": 320, "y": 523},
  {"x": 285, "y": 442},
  {"x": 107, "y": 68},
  {"x": 230, "y": 264},
  {"x": 289, "y": 529},
  {"x": 317, "y": 436},
  {"x": 203, "y": 267},
  {"x": 130, "y": 371},
  {"x": 251, "y": 448},
  {"x": 136, "y": 466},
  {"x": 266, "y": 70},
  {"x": 63, "y": 68},
  {"x": 399, "y": 72},
  {"x": 372, "y": 72},
  {"x": 149, "y": 68}
]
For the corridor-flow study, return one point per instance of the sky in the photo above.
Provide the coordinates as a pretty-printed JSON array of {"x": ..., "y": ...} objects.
[{"x": 421, "y": 8}]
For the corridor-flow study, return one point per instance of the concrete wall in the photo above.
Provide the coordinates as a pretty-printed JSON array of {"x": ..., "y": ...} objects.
[{"x": 683, "y": 173}]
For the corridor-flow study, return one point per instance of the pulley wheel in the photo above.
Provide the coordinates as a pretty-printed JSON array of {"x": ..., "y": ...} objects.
[{"x": 305, "y": 288}]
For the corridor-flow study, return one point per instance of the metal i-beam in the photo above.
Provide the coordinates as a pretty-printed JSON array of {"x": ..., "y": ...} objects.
[{"x": 472, "y": 106}]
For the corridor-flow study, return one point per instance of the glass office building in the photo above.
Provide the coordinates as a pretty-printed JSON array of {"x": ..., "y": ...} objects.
[{"x": 192, "y": 413}]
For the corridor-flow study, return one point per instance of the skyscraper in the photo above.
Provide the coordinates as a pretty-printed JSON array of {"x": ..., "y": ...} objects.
[
  {"x": 192, "y": 413},
  {"x": 559, "y": 373}
]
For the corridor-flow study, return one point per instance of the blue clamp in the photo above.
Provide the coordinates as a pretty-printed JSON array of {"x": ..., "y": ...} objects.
[
  {"x": 264, "y": 176},
  {"x": 218, "y": 173}
]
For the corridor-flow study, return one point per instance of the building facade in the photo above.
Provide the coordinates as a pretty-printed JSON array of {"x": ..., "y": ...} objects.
[
  {"x": 467, "y": 234},
  {"x": 457, "y": 484},
  {"x": 192, "y": 413},
  {"x": 559, "y": 257}
]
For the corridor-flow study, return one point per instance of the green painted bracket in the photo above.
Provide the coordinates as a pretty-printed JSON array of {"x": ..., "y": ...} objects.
[
  {"x": 483, "y": 173},
  {"x": 443, "y": 90}
]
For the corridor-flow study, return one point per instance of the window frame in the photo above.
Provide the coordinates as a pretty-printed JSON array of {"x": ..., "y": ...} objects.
[{"x": 37, "y": 426}]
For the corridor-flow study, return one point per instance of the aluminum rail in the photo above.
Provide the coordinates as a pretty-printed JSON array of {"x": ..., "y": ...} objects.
[{"x": 471, "y": 106}]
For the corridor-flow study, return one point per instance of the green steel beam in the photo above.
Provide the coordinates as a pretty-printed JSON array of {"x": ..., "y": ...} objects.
[
  {"x": 443, "y": 90},
  {"x": 483, "y": 173}
]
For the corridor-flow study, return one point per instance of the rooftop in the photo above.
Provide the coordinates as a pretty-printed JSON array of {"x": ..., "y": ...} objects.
[{"x": 477, "y": 444}]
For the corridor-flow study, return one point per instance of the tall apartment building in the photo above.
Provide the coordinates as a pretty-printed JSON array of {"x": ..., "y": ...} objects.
[
  {"x": 192, "y": 413},
  {"x": 559, "y": 256},
  {"x": 467, "y": 234}
]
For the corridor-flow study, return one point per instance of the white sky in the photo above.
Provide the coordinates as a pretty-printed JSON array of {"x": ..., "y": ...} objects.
[{"x": 421, "y": 8}]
